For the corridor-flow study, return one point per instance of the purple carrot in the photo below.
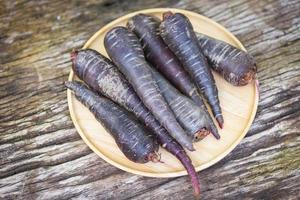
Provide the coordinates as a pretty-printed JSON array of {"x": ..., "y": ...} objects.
[
  {"x": 235, "y": 65},
  {"x": 146, "y": 28},
  {"x": 177, "y": 32},
  {"x": 103, "y": 77},
  {"x": 124, "y": 49},
  {"x": 190, "y": 116},
  {"x": 131, "y": 136}
]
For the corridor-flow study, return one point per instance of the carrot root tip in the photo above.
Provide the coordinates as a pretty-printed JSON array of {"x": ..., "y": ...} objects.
[
  {"x": 220, "y": 121},
  {"x": 191, "y": 148},
  {"x": 197, "y": 196},
  {"x": 217, "y": 136}
]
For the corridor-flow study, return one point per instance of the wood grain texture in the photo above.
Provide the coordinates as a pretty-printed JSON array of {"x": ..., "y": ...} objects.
[{"x": 42, "y": 156}]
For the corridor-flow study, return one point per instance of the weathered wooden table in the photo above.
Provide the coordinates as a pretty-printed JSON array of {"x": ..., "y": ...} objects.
[{"x": 43, "y": 157}]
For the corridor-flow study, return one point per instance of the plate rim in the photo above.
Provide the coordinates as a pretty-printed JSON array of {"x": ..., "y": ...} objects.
[{"x": 162, "y": 174}]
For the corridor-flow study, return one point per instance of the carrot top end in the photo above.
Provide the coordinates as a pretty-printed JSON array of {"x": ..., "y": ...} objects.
[{"x": 167, "y": 14}]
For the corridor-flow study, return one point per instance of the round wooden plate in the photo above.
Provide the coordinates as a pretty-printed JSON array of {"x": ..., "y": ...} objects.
[{"x": 239, "y": 105}]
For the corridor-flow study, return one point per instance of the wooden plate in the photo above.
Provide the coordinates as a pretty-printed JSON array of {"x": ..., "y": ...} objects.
[{"x": 238, "y": 104}]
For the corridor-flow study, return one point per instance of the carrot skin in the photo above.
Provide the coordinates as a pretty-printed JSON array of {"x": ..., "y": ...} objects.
[
  {"x": 177, "y": 32},
  {"x": 126, "y": 52},
  {"x": 187, "y": 163},
  {"x": 130, "y": 136},
  {"x": 146, "y": 28},
  {"x": 235, "y": 65},
  {"x": 190, "y": 116},
  {"x": 103, "y": 77},
  {"x": 157, "y": 52},
  {"x": 99, "y": 73}
]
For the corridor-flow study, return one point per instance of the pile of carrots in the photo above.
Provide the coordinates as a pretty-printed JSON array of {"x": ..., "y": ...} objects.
[{"x": 151, "y": 91}]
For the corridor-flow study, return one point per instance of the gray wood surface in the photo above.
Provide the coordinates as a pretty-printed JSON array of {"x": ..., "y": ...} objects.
[{"x": 43, "y": 157}]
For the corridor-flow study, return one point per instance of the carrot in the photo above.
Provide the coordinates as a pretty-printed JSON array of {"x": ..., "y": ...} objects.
[
  {"x": 235, "y": 65},
  {"x": 158, "y": 53},
  {"x": 131, "y": 136},
  {"x": 126, "y": 52},
  {"x": 146, "y": 28},
  {"x": 103, "y": 77},
  {"x": 177, "y": 32},
  {"x": 189, "y": 115}
]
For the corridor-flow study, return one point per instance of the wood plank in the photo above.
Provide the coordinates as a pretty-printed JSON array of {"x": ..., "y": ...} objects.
[{"x": 42, "y": 156}]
